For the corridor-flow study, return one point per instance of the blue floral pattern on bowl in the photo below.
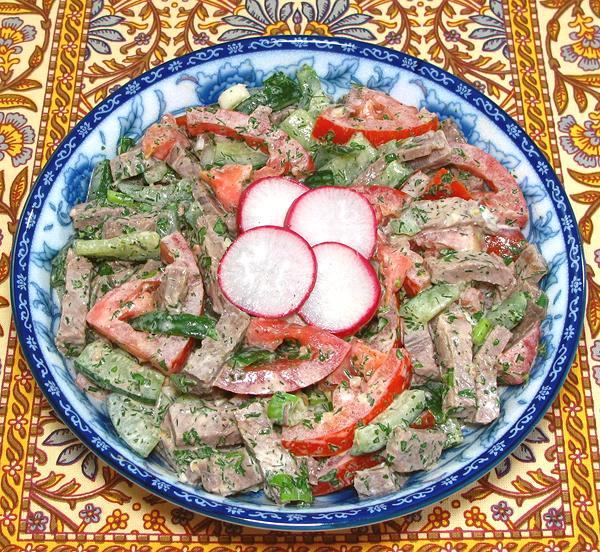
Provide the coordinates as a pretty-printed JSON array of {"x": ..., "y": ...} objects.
[{"x": 199, "y": 78}]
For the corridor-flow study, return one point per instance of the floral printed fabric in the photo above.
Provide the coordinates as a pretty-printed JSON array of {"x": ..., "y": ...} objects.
[{"x": 540, "y": 60}]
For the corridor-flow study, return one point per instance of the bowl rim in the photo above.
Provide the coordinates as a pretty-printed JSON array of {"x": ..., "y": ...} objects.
[{"x": 353, "y": 515}]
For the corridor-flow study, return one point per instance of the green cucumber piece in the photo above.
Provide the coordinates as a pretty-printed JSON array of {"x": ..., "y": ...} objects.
[
  {"x": 229, "y": 152},
  {"x": 115, "y": 370},
  {"x": 403, "y": 411},
  {"x": 136, "y": 423},
  {"x": 299, "y": 126}
]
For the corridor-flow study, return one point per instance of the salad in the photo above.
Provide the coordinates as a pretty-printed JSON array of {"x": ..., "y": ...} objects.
[{"x": 287, "y": 293}]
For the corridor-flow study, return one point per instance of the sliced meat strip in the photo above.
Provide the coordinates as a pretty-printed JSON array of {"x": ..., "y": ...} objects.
[
  {"x": 417, "y": 277},
  {"x": 377, "y": 481},
  {"x": 132, "y": 163},
  {"x": 205, "y": 362},
  {"x": 471, "y": 299},
  {"x": 173, "y": 287},
  {"x": 416, "y": 184},
  {"x": 195, "y": 422},
  {"x": 420, "y": 147},
  {"x": 469, "y": 266},
  {"x": 530, "y": 265},
  {"x": 70, "y": 338},
  {"x": 452, "y": 337},
  {"x": 138, "y": 223},
  {"x": 452, "y": 131},
  {"x": 514, "y": 364},
  {"x": 486, "y": 380},
  {"x": 440, "y": 154},
  {"x": 91, "y": 214},
  {"x": 419, "y": 343},
  {"x": 371, "y": 174},
  {"x": 462, "y": 238},
  {"x": 214, "y": 245},
  {"x": 410, "y": 450},
  {"x": 184, "y": 162},
  {"x": 225, "y": 472},
  {"x": 265, "y": 445}
]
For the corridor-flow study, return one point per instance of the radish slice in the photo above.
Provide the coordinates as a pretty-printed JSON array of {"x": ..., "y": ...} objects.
[
  {"x": 331, "y": 214},
  {"x": 268, "y": 271},
  {"x": 347, "y": 291},
  {"x": 266, "y": 202}
]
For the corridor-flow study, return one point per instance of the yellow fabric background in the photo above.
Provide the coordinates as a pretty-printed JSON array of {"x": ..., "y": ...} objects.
[{"x": 540, "y": 60}]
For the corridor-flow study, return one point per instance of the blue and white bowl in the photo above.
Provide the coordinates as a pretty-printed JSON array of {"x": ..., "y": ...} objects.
[{"x": 198, "y": 78}]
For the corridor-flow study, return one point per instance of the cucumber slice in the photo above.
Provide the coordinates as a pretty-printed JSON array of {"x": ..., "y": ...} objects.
[
  {"x": 403, "y": 411},
  {"x": 229, "y": 152},
  {"x": 115, "y": 370},
  {"x": 299, "y": 126},
  {"x": 136, "y": 423},
  {"x": 347, "y": 167}
]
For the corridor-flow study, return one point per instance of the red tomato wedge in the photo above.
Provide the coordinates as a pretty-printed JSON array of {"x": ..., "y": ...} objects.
[
  {"x": 362, "y": 361},
  {"x": 335, "y": 432},
  {"x": 507, "y": 244},
  {"x": 394, "y": 266},
  {"x": 285, "y": 153},
  {"x": 386, "y": 202},
  {"x": 326, "y": 354},
  {"x": 159, "y": 139},
  {"x": 506, "y": 200},
  {"x": 442, "y": 184},
  {"x": 136, "y": 297},
  {"x": 379, "y": 117},
  {"x": 424, "y": 421},
  {"x": 228, "y": 183},
  {"x": 338, "y": 471}
]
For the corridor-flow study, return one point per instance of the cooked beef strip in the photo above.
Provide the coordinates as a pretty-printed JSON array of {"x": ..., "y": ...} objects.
[
  {"x": 197, "y": 422},
  {"x": 417, "y": 273},
  {"x": 410, "y": 450},
  {"x": 92, "y": 214},
  {"x": 205, "y": 362},
  {"x": 184, "y": 162},
  {"x": 469, "y": 266},
  {"x": 439, "y": 156},
  {"x": 70, "y": 338},
  {"x": 530, "y": 265},
  {"x": 452, "y": 131},
  {"x": 225, "y": 472},
  {"x": 515, "y": 363},
  {"x": 461, "y": 238},
  {"x": 419, "y": 148},
  {"x": 454, "y": 346},
  {"x": 138, "y": 222},
  {"x": 419, "y": 344},
  {"x": 471, "y": 299},
  {"x": 473, "y": 183},
  {"x": 385, "y": 339},
  {"x": 377, "y": 481},
  {"x": 173, "y": 286},
  {"x": 265, "y": 446},
  {"x": 371, "y": 174},
  {"x": 214, "y": 245},
  {"x": 416, "y": 184},
  {"x": 486, "y": 380},
  {"x": 132, "y": 163},
  {"x": 104, "y": 283}
]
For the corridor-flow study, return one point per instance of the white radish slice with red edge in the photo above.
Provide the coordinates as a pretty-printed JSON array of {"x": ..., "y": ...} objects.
[
  {"x": 332, "y": 214},
  {"x": 346, "y": 293},
  {"x": 268, "y": 271},
  {"x": 266, "y": 202}
]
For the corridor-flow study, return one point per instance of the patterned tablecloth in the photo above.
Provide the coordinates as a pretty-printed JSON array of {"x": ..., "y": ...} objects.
[{"x": 539, "y": 59}]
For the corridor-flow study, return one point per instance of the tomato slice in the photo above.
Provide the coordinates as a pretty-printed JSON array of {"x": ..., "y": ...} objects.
[
  {"x": 326, "y": 354},
  {"x": 361, "y": 361},
  {"x": 136, "y": 297},
  {"x": 425, "y": 421},
  {"x": 335, "y": 432},
  {"x": 339, "y": 471},
  {"x": 442, "y": 185},
  {"x": 160, "y": 138},
  {"x": 386, "y": 202},
  {"x": 508, "y": 244},
  {"x": 514, "y": 364},
  {"x": 228, "y": 183},
  {"x": 506, "y": 200},
  {"x": 379, "y": 117},
  {"x": 394, "y": 266},
  {"x": 285, "y": 153}
]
